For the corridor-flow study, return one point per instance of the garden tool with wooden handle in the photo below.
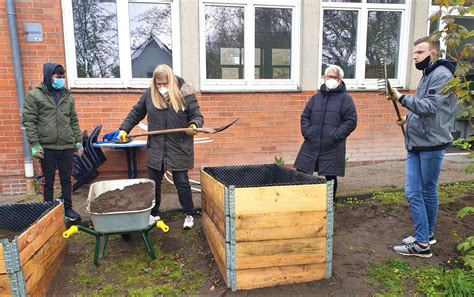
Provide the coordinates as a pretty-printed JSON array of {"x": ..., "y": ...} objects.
[
  {"x": 199, "y": 130},
  {"x": 383, "y": 85}
]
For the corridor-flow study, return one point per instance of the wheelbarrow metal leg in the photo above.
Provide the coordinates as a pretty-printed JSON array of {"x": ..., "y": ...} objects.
[
  {"x": 148, "y": 244},
  {"x": 102, "y": 252},
  {"x": 96, "y": 250}
]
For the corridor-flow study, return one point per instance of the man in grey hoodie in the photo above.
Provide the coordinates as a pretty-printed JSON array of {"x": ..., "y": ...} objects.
[{"x": 429, "y": 122}]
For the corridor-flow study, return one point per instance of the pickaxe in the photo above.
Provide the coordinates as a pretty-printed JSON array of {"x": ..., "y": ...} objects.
[{"x": 383, "y": 85}]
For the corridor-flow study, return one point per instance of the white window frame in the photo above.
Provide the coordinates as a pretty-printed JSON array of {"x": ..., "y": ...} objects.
[
  {"x": 125, "y": 80},
  {"x": 359, "y": 82},
  {"x": 249, "y": 83},
  {"x": 435, "y": 8}
]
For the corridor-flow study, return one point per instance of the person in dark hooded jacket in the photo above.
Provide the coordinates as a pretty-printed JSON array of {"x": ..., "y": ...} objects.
[
  {"x": 169, "y": 103},
  {"x": 428, "y": 133},
  {"x": 52, "y": 128},
  {"x": 328, "y": 119}
]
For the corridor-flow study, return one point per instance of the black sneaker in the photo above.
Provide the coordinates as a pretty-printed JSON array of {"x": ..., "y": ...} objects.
[
  {"x": 411, "y": 239},
  {"x": 413, "y": 249},
  {"x": 71, "y": 214}
]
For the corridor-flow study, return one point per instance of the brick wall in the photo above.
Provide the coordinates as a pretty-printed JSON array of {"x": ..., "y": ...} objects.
[{"x": 268, "y": 125}]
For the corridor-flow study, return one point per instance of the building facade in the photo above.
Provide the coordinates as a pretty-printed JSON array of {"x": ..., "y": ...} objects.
[{"x": 257, "y": 60}]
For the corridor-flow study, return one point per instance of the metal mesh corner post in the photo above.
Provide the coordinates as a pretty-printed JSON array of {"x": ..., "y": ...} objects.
[
  {"x": 12, "y": 265},
  {"x": 329, "y": 227},
  {"x": 231, "y": 263}
]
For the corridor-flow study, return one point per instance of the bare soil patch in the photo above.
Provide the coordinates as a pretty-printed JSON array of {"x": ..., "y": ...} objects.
[{"x": 363, "y": 234}]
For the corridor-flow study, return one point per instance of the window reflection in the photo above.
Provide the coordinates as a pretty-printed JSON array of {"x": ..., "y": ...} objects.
[
  {"x": 224, "y": 42},
  {"x": 96, "y": 38},
  {"x": 340, "y": 40},
  {"x": 150, "y": 37},
  {"x": 272, "y": 43},
  {"x": 383, "y": 42}
]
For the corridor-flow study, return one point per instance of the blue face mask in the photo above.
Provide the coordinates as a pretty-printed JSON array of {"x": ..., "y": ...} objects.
[{"x": 59, "y": 83}]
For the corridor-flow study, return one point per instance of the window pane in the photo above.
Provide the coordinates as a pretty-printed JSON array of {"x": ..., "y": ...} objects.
[
  {"x": 273, "y": 43},
  {"x": 387, "y": 1},
  {"x": 96, "y": 39},
  {"x": 383, "y": 42},
  {"x": 434, "y": 26},
  {"x": 150, "y": 37},
  {"x": 340, "y": 40},
  {"x": 468, "y": 23},
  {"x": 224, "y": 42}
]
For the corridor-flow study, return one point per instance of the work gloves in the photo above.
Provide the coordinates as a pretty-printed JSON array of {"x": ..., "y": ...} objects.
[
  {"x": 37, "y": 152},
  {"x": 78, "y": 149},
  {"x": 191, "y": 130},
  {"x": 394, "y": 94},
  {"x": 122, "y": 136}
]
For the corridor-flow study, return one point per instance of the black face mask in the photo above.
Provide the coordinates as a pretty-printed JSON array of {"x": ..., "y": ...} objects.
[{"x": 423, "y": 64}]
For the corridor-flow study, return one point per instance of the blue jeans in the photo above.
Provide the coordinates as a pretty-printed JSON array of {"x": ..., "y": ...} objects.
[{"x": 421, "y": 190}]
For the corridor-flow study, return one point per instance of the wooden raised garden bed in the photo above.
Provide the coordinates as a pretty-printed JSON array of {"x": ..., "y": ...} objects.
[
  {"x": 267, "y": 225},
  {"x": 30, "y": 260}
]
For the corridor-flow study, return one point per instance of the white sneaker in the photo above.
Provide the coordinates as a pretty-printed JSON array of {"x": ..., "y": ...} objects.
[
  {"x": 188, "y": 222},
  {"x": 153, "y": 219}
]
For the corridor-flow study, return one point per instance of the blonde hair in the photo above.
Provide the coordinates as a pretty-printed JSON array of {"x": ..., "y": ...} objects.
[{"x": 176, "y": 99}]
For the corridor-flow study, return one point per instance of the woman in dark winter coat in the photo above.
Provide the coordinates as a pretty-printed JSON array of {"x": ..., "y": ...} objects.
[
  {"x": 169, "y": 103},
  {"x": 327, "y": 120}
]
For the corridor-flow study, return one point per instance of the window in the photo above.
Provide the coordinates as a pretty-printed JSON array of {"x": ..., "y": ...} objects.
[
  {"x": 111, "y": 43},
  {"x": 249, "y": 45},
  {"x": 467, "y": 21},
  {"x": 358, "y": 34}
]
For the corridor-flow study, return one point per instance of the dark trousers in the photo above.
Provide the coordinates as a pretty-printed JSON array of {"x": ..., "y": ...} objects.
[
  {"x": 334, "y": 178},
  {"x": 62, "y": 160},
  {"x": 181, "y": 182}
]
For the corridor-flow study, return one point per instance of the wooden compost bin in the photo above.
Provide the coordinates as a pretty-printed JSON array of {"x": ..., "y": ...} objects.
[
  {"x": 29, "y": 262},
  {"x": 267, "y": 225}
]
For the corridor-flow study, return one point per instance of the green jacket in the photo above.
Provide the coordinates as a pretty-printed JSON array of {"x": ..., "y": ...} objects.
[{"x": 53, "y": 126}]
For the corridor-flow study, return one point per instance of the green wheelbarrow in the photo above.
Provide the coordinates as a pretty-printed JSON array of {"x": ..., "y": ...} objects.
[
  {"x": 100, "y": 252},
  {"x": 117, "y": 222}
]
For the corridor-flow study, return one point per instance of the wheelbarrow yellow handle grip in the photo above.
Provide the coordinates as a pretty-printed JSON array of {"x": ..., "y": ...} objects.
[
  {"x": 161, "y": 225},
  {"x": 70, "y": 231}
]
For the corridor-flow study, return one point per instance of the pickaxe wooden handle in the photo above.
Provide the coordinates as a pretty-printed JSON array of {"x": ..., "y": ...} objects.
[
  {"x": 384, "y": 85},
  {"x": 199, "y": 130}
]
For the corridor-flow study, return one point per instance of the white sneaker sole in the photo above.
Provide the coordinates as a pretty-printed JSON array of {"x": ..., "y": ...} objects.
[{"x": 416, "y": 255}]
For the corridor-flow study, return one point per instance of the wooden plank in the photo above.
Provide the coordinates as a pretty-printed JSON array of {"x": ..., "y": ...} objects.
[
  {"x": 215, "y": 214},
  {"x": 212, "y": 189},
  {"x": 275, "y": 247},
  {"x": 260, "y": 234},
  {"x": 216, "y": 243},
  {"x": 5, "y": 289},
  {"x": 43, "y": 285},
  {"x": 287, "y": 259},
  {"x": 280, "y": 199},
  {"x": 268, "y": 253},
  {"x": 280, "y": 226},
  {"x": 34, "y": 237},
  {"x": 36, "y": 267},
  {"x": 282, "y": 219},
  {"x": 3, "y": 268},
  {"x": 267, "y": 277}
]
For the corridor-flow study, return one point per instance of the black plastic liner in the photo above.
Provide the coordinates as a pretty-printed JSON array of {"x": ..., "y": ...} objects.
[
  {"x": 19, "y": 217},
  {"x": 262, "y": 175}
]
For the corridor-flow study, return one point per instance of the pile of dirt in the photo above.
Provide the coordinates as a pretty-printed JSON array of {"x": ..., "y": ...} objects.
[{"x": 134, "y": 197}]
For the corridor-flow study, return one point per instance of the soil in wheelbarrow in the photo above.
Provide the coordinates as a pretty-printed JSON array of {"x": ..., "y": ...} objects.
[{"x": 134, "y": 197}]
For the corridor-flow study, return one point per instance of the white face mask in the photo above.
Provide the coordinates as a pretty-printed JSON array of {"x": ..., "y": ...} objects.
[
  {"x": 163, "y": 91},
  {"x": 331, "y": 84}
]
